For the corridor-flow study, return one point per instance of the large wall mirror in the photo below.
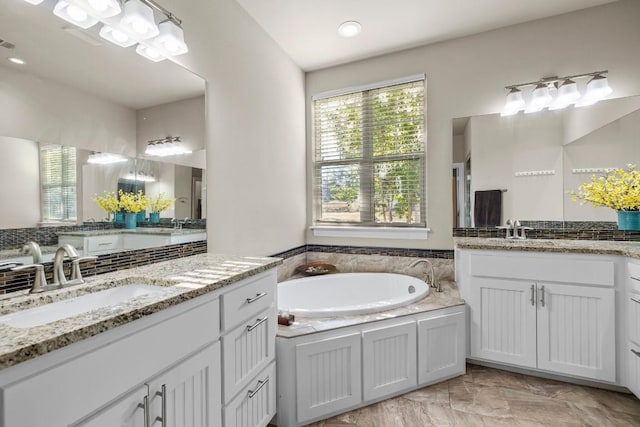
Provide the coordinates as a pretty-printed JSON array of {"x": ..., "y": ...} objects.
[
  {"x": 78, "y": 90},
  {"x": 538, "y": 157}
]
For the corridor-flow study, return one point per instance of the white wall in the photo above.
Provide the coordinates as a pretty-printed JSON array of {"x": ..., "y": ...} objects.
[
  {"x": 466, "y": 77},
  {"x": 255, "y": 129},
  {"x": 44, "y": 111},
  {"x": 20, "y": 178}
]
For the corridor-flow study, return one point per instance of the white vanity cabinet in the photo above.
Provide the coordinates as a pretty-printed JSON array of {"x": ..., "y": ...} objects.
[
  {"x": 544, "y": 311},
  {"x": 633, "y": 326}
]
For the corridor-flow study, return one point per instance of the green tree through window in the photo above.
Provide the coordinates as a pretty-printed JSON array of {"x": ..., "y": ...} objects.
[{"x": 369, "y": 157}]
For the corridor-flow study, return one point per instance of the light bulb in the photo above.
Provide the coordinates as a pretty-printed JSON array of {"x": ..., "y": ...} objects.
[
  {"x": 349, "y": 29},
  {"x": 76, "y": 13}
]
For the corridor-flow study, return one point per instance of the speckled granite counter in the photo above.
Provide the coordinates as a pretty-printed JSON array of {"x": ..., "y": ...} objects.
[
  {"x": 602, "y": 247},
  {"x": 140, "y": 230},
  {"x": 449, "y": 297},
  {"x": 182, "y": 279}
]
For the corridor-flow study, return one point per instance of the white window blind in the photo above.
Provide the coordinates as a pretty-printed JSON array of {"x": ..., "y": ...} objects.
[
  {"x": 58, "y": 183},
  {"x": 369, "y": 157}
]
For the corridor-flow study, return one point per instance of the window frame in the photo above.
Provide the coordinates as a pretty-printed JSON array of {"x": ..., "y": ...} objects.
[
  {"x": 368, "y": 227},
  {"x": 64, "y": 184}
]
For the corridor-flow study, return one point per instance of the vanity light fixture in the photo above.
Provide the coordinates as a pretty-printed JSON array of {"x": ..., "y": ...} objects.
[
  {"x": 105, "y": 158},
  {"x": 349, "y": 29},
  {"x": 126, "y": 23},
  {"x": 169, "y": 146},
  {"x": 556, "y": 93},
  {"x": 140, "y": 176}
]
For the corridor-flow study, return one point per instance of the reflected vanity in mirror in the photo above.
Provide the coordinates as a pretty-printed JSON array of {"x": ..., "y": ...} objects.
[
  {"x": 539, "y": 157},
  {"x": 100, "y": 99}
]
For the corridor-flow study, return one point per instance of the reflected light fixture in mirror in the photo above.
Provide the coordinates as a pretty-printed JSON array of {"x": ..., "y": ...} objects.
[
  {"x": 140, "y": 176},
  {"x": 134, "y": 23},
  {"x": 169, "y": 146},
  {"x": 105, "y": 158},
  {"x": 556, "y": 93}
]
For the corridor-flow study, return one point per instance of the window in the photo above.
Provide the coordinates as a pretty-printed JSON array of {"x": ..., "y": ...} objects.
[
  {"x": 58, "y": 183},
  {"x": 369, "y": 156}
]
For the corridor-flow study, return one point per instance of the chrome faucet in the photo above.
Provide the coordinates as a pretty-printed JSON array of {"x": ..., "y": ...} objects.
[
  {"x": 34, "y": 249},
  {"x": 58, "y": 263},
  {"x": 434, "y": 283}
]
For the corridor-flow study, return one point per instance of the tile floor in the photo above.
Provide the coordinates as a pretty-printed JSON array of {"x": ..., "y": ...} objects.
[{"x": 490, "y": 397}]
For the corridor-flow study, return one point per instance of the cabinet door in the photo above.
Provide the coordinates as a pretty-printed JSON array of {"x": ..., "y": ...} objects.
[
  {"x": 441, "y": 347},
  {"x": 633, "y": 359},
  {"x": 187, "y": 395},
  {"x": 255, "y": 405},
  {"x": 503, "y": 321},
  {"x": 390, "y": 362},
  {"x": 633, "y": 316},
  {"x": 128, "y": 411},
  {"x": 328, "y": 376},
  {"x": 576, "y": 330}
]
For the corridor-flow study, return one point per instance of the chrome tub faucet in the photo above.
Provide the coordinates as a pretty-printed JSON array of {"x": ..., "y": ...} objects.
[{"x": 434, "y": 283}]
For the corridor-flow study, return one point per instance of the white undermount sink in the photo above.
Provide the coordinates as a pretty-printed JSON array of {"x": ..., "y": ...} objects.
[{"x": 77, "y": 305}]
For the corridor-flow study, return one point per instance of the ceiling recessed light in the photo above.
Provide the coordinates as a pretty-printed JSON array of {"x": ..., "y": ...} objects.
[
  {"x": 17, "y": 61},
  {"x": 349, "y": 29}
]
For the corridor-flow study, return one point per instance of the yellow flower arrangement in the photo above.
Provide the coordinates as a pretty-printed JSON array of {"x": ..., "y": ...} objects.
[
  {"x": 618, "y": 189},
  {"x": 160, "y": 203},
  {"x": 133, "y": 202},
  {"x": 108, "y": 202}
]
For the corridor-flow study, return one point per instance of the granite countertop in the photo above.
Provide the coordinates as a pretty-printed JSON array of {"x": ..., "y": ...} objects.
[
  {"x": 18, "y": 253},
  {"x": 601, "y": 247},
  {"x": 139, "y": 230},
  {"x": 449, "y": 297},
  {"x": 183, "y": 279}
]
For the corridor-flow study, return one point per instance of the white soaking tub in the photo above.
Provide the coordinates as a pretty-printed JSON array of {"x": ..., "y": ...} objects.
[{"x": 349, "y": 294}]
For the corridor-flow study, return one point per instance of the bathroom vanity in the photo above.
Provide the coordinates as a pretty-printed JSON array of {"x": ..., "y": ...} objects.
[
  {"x": 558, "y": 307},
  {"x": 155, "y": 359}
]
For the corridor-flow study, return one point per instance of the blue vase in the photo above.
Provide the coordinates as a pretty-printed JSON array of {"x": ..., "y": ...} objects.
[
  {"x": 130, "y": 220},
  {"x": 154, "y": 217},
  {"x": 118, "y": 217},
  {"x": 628, "y": 220},
  {"x": 141, "y": 217}
]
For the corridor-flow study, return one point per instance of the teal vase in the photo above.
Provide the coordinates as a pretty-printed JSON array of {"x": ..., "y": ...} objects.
[
  {"x": 154, "y": 217},
  {"x": 130, "y": 220},
  {"x": 628, "y": 220},
  {"x": 141, "y": 217},
  {"x": 118, "y": 217}
]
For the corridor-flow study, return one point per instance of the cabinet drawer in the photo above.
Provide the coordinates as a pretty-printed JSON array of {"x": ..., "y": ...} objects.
[
  {"x": 584, "y": 271},
  {"x": 247, "y": 301},
  {"x": 100, "y": 244},
  {"x": 247, "y": 350},
  {"x": 633, "y": 310},
  {"x": 256, "y": 403},
  {"x": 111, "y": 362}
]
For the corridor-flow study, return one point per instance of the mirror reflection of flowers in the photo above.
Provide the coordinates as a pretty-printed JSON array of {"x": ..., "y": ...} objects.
[
  {"x": 618, "y": 189},
  {"x": 133, "y": 202},
  {"x": 160, "y": 203},
  {"x": 108, "y": 202}
]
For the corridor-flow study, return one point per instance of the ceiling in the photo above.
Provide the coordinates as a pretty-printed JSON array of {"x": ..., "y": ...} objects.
[
  {"x": 307, "y": 29},
  {"x": 111, "y": 72}
]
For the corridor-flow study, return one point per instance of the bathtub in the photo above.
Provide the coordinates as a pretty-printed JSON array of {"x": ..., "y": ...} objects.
[{"x": 349, "y": 294}]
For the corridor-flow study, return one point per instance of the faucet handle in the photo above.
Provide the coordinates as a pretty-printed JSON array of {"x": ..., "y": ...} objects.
[
  {"x": 76, "y": 274},
  {"x": 39, "y": 282}
]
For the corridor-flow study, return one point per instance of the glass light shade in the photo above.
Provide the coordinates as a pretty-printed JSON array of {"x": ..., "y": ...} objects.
[
  {"x": 568, "y": 93},
  {"x": 138, "y": 19},
  {"x": 515, "y": 101},
  {"x": 116, "y": 36},
  {"x": 98, "y": 8},
  {"x": 150, "y": 53},
  {"x": 105, "y": 158},
  {"x": 163, "y": 149},
  {"x": 557, "y": 106},
  {"x": 598, "y": 88},
  {"x": 36, "y": 2},
  {"x": 73, "y": 14},
  {"x": 540, "y": 98},
  {"x": 170, "y": 41}
]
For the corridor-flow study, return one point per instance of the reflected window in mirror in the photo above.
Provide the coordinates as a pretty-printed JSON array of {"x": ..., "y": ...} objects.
[{"x": 58, "y": 189}]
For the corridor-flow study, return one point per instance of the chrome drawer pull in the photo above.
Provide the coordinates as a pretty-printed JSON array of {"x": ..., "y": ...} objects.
[
  {"x": 542, "y": 296},
  {"x": 260, "y": 385},
  {"x": 256, "y": 298},
  {"x": 255, "y": 325},
  {"x": 635, "y": 300},
  {"x": 637, "y": 353},
  {"x": 145, "y": 406},
  {"x": 533, "y": 295},
  {"x": 105, "y": 244},
  {"x": 163, "y": 394}
]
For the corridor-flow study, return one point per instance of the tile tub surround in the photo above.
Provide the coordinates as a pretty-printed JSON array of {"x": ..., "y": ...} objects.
[
  {"x": 11, "y": 281},
  {"x": 184, "y": 279},
  {"x": 628, "y": 249},
  {"x": 449, "y": 297},
  {"x": 492, "y": 397}
]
